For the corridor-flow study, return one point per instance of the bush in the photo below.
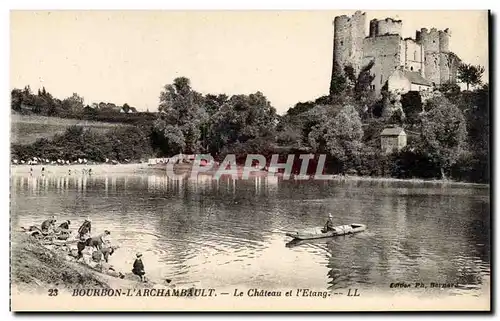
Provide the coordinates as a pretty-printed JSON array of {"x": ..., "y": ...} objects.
[
  {"x": 472, "y": 167},
  {"x": 412, "y": 106},
  {"x": 412, "y": 163},
  {"x": 373, "y": 162}
]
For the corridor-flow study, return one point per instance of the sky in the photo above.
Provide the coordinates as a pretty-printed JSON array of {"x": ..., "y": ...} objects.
[{"x": 128, "y": 56}]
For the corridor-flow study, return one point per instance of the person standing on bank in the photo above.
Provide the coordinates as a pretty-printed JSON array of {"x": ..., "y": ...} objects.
[
  {"x": 138, "y": 268},
  {"x": 84, "y": 236},
  {"x": 85, "y": 230}
]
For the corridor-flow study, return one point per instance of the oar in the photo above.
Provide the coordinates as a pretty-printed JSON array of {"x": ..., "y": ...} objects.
[{"x": 284, "y": 231}]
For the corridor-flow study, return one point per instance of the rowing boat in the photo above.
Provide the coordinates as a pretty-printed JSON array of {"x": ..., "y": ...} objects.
[{"x": 316, "y": 233}]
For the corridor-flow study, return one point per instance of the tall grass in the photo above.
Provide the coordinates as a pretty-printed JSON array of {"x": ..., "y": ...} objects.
[{"x": 26, "y": 129}]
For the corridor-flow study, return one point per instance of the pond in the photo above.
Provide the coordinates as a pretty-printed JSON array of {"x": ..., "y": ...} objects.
[{"x": 231, "y": 233}]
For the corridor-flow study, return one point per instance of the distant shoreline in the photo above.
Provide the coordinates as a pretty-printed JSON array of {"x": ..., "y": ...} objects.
[{"x": 180, "y": 169}]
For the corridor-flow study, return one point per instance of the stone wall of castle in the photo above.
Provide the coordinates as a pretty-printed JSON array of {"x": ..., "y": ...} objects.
[
  {"x": 413, "y": 56},
  {"x": 448, "y": 68},
  {"x": 386, "y": 52}
]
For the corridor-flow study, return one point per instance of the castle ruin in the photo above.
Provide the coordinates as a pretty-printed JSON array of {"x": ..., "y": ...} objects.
[{"x": 426, "y": 57}]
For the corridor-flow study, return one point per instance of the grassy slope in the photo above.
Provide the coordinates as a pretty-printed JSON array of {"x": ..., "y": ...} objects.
[
  {"x": 27, "y": 129},
  {"x": 36, "y": 268}
]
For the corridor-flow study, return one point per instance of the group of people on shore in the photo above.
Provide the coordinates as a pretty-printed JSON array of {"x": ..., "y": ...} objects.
[
  {"x": 84, "y": 171},
  {"x": 40, "y": 161},
  {"x": 100, "y": 244},
  {"x": 48, "y": 229}
]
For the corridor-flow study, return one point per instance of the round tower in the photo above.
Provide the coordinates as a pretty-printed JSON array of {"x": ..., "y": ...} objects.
[
  {"x": 429, "y": 40},
  {"x": 342, "y": 41},
  {"x": 358, "y": 35},
  {"x": 444, "y": 40},
  {"x": 389, "y": 26},
  {"x": 447, "y": 59},
  {"x": 348, "y": 35}
]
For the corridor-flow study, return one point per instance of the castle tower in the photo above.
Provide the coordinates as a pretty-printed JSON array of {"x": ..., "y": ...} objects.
[
  {"x": 383, "y": 47},
  {"x": 348, "y": 35},
  {"x": 440, "y": 64},
  {"x": 448, "y": 63},
  {"x": 387, "y": 26},
  {"x": 444, "y": 40},
  {"x": 430, "y": 45}
]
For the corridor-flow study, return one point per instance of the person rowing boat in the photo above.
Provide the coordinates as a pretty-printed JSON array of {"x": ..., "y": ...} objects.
[{"x": 329, "y": 224}]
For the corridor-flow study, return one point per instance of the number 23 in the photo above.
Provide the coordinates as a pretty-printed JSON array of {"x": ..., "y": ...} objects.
[{"x": 53, "y": 292}]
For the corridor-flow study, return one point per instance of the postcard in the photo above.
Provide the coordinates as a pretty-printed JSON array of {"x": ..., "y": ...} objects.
[{"x": 250, "y": 161}]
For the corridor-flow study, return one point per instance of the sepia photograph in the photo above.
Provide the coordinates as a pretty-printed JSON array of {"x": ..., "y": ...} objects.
[{"x": 273, "y": 160}]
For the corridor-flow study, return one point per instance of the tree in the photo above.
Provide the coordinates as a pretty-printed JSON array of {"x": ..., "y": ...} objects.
[
  {"x": 75, "y": 103},
  {"x": 411, "y": 103},
  {"x": 470, "y": 74},
  {"x": 181, "y": 115},
  {"x": 27, "y": 97},
  {"x": 288, "y": 135},
  {"x": 349, "y": 73},
  {"x": 126, "y": 108},
  {"x": 476, "y": 108},
  {"x": 340, "y": 136},
  {"x": 214, "y": 102},
  {"x": 338, "y": 84},
  {"x": 16, "y": 99},
  {"x": 363, "y": 82},
  {"x": 300, "y": 108},
  {"x": 241, "y": 119},
  {"x": 451, "y": 91},
  {"x": 443, "y": 134}
]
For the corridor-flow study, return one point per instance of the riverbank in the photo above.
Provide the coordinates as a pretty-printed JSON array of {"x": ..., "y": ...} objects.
[
  {"x": 35, "y": 268},
  {"x": 79, "y": 169},
  {"x": 185, "y": 169},
  {"x": 110, "y": 169}
]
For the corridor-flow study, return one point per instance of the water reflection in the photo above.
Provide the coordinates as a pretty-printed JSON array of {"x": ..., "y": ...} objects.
[{"x": 231, "y": 232}]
